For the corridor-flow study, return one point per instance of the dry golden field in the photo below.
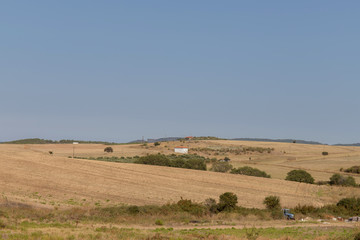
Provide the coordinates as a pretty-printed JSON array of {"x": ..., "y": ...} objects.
[{"x": 30, "y": 175}]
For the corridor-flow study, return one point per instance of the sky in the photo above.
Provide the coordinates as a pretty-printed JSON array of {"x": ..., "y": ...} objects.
[{"x": 120, "y": 70}]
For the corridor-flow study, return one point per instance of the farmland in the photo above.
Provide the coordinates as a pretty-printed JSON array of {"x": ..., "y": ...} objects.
[{"x": 33, "y": 178}]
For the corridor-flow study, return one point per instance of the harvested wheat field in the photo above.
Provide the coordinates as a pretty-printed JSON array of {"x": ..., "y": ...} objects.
[{"x": 30, "y": 175}]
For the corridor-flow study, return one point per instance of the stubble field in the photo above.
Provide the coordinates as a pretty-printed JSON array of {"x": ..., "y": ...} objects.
[{"x": 30, "y": 175}]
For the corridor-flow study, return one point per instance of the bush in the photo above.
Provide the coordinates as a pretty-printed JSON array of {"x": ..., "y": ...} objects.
[
  {"x": 341, "y": 180},
  {"x": 221, "y": 167},
  {"x": 226, "y": 159},
  {"x": 227, "y": 201},
  {"x": 211, "y": 205},
  {"x": 108, "y": 149},
  {"x": 156, "y": 144},
  {"x": 272, "y": 202},
  {"x": 299, "y": 176},
  {"x": 249, "y": 171},
  {"x": 159, "y": 222},
  {"x": 353, "y": 169},
  {"x": 133, "y": 209},
  {"x": 183, "y": 161},
  {"x": 154, "y": 159},
  {"x": 325, "y": 153},
  {"x": 322, "y": 183},
  {"x": 194, "y": 163},
  {"x": 304, "y": 209},
  {"x": 191, "y": 207},
  {"x": 350, "y": 204},
  {"x": 357, "y": 236}
]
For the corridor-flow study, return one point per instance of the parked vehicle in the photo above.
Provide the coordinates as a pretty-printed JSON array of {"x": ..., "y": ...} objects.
[{"x": 287, "y": 214}]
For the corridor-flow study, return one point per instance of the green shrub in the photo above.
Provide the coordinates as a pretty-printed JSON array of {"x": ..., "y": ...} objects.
[
  {"x": 221, "y": 167},
  {"x": 249, "y": 171},
  {"x": 353, "y": 169},
  {"x": 182, "y": 161},
  {"x": 325, "y": 153},
  {"x": 305, "y": 209},
  {"x": 198, "y": 164},
  {"x": 272, "y": 202},
  {"x": 133, "y": 209},
  {"x": 159, "y": 222},
  {"x": 227, "y": 201},
  {"x": 154, "y": 159},
  {"x": 108, "y": 149},
  {"x": 156, "y": 144},
  {"x": 322, "y": 183},
  {"x": 211, "y": 205},
  {"x": 299, "y": 176},
  {"x": 191, "y": 207},
  {"x": 351, "y": 204},
  {"x": 341, "y": 180}
]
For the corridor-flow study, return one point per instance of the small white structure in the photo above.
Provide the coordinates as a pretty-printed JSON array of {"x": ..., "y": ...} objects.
[{"x": 181, "y": 150}]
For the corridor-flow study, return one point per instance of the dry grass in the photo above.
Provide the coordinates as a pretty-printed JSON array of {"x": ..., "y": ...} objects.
[{"x": 29, "y": 174}]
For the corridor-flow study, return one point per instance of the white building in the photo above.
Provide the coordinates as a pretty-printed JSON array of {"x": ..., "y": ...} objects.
[{"x": 181, "y": 150}]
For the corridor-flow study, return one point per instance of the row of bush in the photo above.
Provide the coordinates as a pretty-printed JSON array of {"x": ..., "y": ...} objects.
[
  {"x": 335, "y": 179},
  {"x": 249, "y": 171},
  {"x": 178, "y": 161},
  {"x": 227, "y": 202},
  {"x": 236, "y": 151},
  {"x": 353, "y": 169},
  {"x": 294, "y": 175}
]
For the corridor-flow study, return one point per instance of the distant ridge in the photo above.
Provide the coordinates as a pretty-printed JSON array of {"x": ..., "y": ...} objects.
[
  {"x": 350, "y": 144},
  {"x": 47, "y": 141},
  {"x": 277, "y": 140},
  {"x": 152, "y": 140}
]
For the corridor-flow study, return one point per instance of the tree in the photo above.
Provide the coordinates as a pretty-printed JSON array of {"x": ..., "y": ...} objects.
[
  {"x": 272, "y": 202},
  {"x": 108, "y": 150},
  {"x": 299, "y": 176},
  {"x": 249, "y": 171},
  {"x": 227, "y": 201},
  {"x": 338, "y": 179},
  {"x": 156, "y": 144}
]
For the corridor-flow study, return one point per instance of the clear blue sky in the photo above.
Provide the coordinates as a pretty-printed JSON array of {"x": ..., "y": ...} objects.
[{"x": 120, "y": 70}]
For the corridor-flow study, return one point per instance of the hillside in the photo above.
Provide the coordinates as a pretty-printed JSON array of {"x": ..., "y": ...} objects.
[{"x": 29, "y": 174}]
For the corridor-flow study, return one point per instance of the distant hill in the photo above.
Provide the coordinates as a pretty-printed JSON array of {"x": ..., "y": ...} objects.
[
  {"x": 152, "y": 140},
  {"x": 277, "y": 140},
  {"x": 169, "y": 139},
  {"x": 46, "y": 141},
  {"x": 350, "y": 144}
]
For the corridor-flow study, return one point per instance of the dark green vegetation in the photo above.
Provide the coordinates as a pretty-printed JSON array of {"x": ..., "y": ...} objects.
[
  {"x": 299, "y": 176},
  {"x": 108, "y": 149},
  {"x": 353, "y": 169},
  {"x": 272, "y": 202},
  {"x": 179, "y": 161},
  {"x": 341, "y": 180},
  {"x": 234, "y": 150},
  {"x": 112, "y": 159},
  {"x": 249, "y": 171}
]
